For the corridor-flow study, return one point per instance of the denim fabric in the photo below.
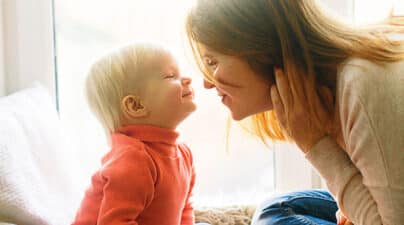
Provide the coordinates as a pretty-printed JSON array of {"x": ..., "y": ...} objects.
[{"x": 311, "y": 207}]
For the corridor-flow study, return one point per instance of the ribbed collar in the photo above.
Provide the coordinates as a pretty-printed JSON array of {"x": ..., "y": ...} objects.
[{"x": 147, "y": 133}]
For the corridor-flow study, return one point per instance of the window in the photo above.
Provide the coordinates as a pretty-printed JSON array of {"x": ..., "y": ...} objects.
[
  {"x": 372, "y": 11},
  {"x": 363, "y": 12},
  {"x": 87, "y": 29},
  {"x": 398, "y": 8}
]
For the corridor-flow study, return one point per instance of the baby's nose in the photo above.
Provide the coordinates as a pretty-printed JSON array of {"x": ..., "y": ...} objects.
[
  {"x": 207, "y": 84},
  {"x": 186, "y": 80}
]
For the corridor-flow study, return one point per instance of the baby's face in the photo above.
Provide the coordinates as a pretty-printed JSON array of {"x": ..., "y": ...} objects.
[{"x": 168, "y": 96}]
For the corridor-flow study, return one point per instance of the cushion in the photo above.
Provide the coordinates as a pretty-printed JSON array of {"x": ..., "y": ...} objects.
[
  {"x": 35, "y": 182},
  {"x": 231, "y": 215}
]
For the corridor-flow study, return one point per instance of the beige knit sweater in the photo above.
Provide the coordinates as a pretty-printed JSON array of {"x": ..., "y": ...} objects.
[{"x": 367, "y": 177}]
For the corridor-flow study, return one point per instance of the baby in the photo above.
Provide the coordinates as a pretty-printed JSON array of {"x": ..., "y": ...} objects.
[{"x": 140, "y": 97}]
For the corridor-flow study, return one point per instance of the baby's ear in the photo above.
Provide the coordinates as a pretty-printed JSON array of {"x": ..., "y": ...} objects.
[{"x": 132, "y": 107}]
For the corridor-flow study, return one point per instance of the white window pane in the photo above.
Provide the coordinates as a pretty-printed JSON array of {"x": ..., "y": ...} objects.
[
  {"x": 87, "y": 29},
  {"x": 364, "y": 12},
  {"x": 343, "y": 9},
  {"x": 398, "y": 9},
  {"x": 372, "y": 11}
]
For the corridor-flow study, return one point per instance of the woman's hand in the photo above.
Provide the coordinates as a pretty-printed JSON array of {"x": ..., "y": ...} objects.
[
  {"x": 341, "y": 219},
  {"x": 293, "y": 112}
]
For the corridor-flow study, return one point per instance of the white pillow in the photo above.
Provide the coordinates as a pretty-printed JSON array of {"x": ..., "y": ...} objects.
[{"x": 36, "y": 185}]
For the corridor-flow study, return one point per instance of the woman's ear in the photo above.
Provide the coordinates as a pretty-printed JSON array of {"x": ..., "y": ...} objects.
[{"x": 132, "y": 107}]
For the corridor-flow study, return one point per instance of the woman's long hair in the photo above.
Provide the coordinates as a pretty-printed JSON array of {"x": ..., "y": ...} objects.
[{"x": 293, "y": 34}]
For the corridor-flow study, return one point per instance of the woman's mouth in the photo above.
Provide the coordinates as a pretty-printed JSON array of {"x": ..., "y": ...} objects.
[{"x": 223, "y": 98}]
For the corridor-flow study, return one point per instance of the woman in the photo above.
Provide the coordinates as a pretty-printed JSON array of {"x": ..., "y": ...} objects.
[{"x": 337, "y": 91}]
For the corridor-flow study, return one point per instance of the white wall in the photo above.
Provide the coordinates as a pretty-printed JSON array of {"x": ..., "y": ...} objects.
[{"x": 27, "y": 44}]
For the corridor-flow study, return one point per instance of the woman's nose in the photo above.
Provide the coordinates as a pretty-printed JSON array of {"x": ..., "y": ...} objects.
[{"x": 207, "y": 84}]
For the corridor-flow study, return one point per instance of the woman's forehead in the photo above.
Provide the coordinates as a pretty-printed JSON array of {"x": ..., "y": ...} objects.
[{"x": 206, "y": 51}]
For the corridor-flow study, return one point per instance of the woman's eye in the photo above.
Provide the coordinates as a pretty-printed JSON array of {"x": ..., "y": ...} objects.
[{"x": 211, "y": 64}]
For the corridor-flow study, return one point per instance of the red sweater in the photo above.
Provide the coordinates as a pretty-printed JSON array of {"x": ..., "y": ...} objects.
[{"x": 146, "y": 179}]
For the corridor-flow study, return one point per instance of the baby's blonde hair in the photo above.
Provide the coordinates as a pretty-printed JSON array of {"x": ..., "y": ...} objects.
[{"x": 114, "y": 76}]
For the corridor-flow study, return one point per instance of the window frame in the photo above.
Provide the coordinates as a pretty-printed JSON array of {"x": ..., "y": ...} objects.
[
  {"x": 2, "y": 52},
  {"x": 28, "y": 45}
]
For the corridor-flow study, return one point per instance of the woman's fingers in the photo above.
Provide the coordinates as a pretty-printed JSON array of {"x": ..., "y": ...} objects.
[
  {"x": 299, "y": 109},
  {"x": 341, "y": 219},
  {"x": 278, "y": 106}
]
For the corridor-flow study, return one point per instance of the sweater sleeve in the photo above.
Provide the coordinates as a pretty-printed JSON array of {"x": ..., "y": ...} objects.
[
  {"x": 366, "y": 177},
  {"x": 129, "y": 187},
  {"x": 188, "y": 211},
  {"x": 345, "y": 182}
]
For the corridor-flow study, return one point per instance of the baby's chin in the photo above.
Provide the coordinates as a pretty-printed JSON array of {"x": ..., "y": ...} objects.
[
  {"x": 189, "y": 111},
  {"x": 192, "y": 109}
]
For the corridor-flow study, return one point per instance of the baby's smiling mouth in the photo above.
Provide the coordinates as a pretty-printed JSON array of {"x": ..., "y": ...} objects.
[{"x": 188, "y": 93}]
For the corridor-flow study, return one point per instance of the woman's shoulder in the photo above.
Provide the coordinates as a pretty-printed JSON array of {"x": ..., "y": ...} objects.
[
  {"x": 364, "y": 75},
  {"x": 355, "y": 68},
  {"x": 373, "y": 89}
]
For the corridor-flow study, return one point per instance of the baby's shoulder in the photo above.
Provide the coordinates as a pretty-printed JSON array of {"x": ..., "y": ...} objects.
[
  {"x": 185, "y": 151},
  {"x": 127, "y": 153}
]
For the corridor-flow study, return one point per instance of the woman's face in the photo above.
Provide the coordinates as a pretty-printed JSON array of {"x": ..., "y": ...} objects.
[{"x": 240, "y": 88}]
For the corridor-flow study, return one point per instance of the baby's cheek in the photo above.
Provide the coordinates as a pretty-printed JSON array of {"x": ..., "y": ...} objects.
[
  {"x": 172, "y": 97},
  {"x": 176, "y": 93}
]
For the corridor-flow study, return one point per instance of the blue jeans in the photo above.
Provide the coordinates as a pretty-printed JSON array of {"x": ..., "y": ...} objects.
[{"x": 311, "y": 207}]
